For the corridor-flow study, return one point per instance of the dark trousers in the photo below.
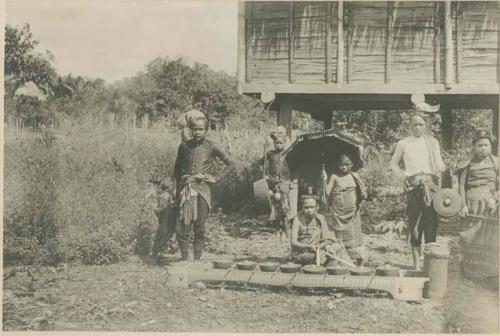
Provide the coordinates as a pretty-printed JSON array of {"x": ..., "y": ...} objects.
[
  {"x": 166, "y": 229},
  {"x": 422, "y": 218},
  {"x": 199, "y": 229}
]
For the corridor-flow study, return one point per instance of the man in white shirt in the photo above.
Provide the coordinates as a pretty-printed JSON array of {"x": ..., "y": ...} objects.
[{"x": 423, "y": 164}]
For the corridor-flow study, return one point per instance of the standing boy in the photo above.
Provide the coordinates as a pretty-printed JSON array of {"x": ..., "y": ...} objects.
[{"x": 194, "y": 162}]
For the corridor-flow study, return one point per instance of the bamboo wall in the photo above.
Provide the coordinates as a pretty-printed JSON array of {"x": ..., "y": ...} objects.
[{"x": 383, "y": 42}]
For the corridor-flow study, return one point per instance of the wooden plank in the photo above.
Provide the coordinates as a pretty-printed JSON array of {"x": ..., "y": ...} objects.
[
  {"x": 291, "y": 43},
  {"x": 458, "y": 50},
  {"x": 350, "y": 44},
  {"x": 328, "y": 46},
  {"x": 437, "y": 43},
  {"x": 391, "y": 12},
  {"x": 265, "y": 9},
  {"x": 285, "y": 115},
  {"x": 447, "y": 127},
  {"x": 310, "y": 9},
  {"x": 241, "y": 47},
  {"x": 248, "y": 34},
  {"x": 489, "y": 88},
  {"x": 495, "y": 121},
  {"x": 448, "y": 76},
  {"x": 340, "y": 42}
]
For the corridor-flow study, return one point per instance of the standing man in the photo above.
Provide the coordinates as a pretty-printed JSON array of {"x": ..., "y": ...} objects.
[
  {"x": 420, "y": 153},
  {"x": 195, "y": 160}
]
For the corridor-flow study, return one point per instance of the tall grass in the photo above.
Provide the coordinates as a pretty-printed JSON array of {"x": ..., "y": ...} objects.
[{"x": 83, "y": 198}]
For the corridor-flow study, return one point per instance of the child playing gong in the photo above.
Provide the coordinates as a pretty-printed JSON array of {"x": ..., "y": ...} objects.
[
  {"x": 311, "y": 238},
  {"x": 344, "y": 192}
]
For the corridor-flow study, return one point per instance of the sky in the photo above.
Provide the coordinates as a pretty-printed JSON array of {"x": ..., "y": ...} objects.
[{"x": 113, "y": 39}]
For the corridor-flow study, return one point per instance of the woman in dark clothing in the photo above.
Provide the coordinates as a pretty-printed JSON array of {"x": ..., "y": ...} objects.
[{"x": 478, "y": 186}]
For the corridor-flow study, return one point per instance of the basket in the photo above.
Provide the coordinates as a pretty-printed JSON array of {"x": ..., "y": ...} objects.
[{"x": 479, "y": 250}]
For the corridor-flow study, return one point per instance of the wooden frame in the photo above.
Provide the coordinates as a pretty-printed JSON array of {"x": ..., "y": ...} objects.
[
  {"x": 391, "y": 12},
  {"x": 448, "y": 49},
  {"x": 340, "y": 42},
  {"x": 377, "y": 88},
  {"x": 291, "y": 43},
  {"x": 328, "y": 45},
  {"x": 242, "y": 69},
  {"x": 452, "y": 80}
]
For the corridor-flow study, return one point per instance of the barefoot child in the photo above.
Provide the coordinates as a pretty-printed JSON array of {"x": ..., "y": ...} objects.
[
  {"x": 310, "y": 236},
  {"x": 344, "y": 192},
  {"x": 195, "y": 161},
  {"x": 279, "y": 181}
]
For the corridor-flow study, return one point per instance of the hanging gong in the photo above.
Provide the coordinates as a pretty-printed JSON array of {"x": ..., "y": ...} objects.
[{"x": 447, "y": 202}]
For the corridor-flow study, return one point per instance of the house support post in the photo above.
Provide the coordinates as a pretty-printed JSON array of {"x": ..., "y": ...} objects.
[{"x": 285, "y": 115}]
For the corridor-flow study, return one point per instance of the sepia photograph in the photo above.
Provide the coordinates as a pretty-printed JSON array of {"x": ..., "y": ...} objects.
[{"x": 232, "y": 166}]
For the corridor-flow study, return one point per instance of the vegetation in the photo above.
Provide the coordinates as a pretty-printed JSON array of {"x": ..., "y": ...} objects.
[{"x": 82, "y": 197}]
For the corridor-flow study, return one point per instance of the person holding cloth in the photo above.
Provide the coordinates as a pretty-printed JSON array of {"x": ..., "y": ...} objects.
[
  {"x": 195, "y": 160},
  {"x": 421, "y": 157}
]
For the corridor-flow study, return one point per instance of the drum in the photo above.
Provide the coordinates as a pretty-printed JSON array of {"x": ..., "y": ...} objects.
[{"x": 261, "y": 194}]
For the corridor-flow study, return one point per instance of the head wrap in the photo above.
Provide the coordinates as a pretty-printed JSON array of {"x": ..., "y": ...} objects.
[
  {"x": 186, "y": 118},
  {"x": 482, "y": 134},
  {"x": 279, "y": 134}
]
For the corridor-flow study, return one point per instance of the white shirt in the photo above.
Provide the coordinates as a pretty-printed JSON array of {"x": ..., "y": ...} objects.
[{"x": 416, "y": 156}]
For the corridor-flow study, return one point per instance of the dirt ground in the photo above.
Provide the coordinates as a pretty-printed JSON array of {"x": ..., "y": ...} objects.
[{"x": 132, "y": 296}]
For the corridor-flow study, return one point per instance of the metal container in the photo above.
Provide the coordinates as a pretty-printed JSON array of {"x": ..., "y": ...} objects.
[
  {"x": 246, "y": 265},
  {"x": 223, "y": 264},
  {"x": 337, "y": 270},
  {"x": 360, "y": 271},
  {"x": 387, "y": 270},
  {"x": 290, "y": 268},
  {"x": 269, "y": 267},
  {"x": 313, "y": 269}
]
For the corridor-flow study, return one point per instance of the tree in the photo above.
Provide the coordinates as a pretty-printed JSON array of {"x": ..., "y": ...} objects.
[{"x": 23, "y": 63}]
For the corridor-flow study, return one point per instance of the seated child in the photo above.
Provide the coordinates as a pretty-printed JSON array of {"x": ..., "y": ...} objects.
[
  {"x": 310, "y": 235},
  {"x": 344, "y": 193}
]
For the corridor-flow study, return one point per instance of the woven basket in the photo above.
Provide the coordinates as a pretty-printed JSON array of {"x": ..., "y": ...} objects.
[{"x": 479, "y": 250}]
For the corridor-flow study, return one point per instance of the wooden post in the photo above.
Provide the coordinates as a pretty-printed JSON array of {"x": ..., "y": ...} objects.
[
  {"x": 437, "y": 44},
  {"x": 291, "y": 43},
  {"x": 496, "y": 149},
  {"x": 241, "y": 46},
  {"x": 248, "y": 34},
  {"x": 447, "y": 140},
  {"x": 328, "y": 45},
  {"x": 448, "y": 76},
  {"x": 458, "y": 50},
  {"x": 447, "y": 127},
  {"x": 391, "y": 9},
  {"x": 285, "y": 115},
  {"x": 340, "y": 42},
  {"x": 350, "y": 46}
]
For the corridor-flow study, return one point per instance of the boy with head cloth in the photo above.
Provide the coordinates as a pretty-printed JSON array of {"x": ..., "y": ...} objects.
[
  {"x": 195, "y": 160},
  {"x": 420, "y": 153}
]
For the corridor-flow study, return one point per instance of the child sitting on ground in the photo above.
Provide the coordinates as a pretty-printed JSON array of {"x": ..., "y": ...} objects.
[
  {"x": 344, "y": 192},
  {"x": 311, "y": 238}
]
